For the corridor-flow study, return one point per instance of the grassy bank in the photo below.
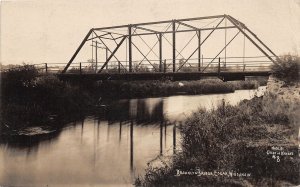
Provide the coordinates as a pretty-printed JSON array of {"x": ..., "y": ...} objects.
[
  {"x": 256, "y": 139},
  {"x": 235, "y": 139},
  {"x": 137, "y": 89}
]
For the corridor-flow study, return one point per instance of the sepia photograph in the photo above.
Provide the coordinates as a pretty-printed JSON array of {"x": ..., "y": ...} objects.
[{"x": 134, "y": 93}]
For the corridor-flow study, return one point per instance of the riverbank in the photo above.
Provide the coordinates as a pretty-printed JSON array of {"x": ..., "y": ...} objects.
[
  {"x": 252, "y": 144},
  {"x": 31, "y": 100},
  {"x": 140, "y": 89}
]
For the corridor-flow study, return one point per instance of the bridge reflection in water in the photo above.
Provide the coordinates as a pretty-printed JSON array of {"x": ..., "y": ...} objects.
[
  {"x": 129, "y": 118},
  {"x": 135, "y": 136}
]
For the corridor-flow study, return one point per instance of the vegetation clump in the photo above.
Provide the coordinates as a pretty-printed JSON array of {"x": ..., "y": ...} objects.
[
  {"x": 136, "y": 89},
  {"x": 287, "y": 68},
  {"x": 28, "y": 99}
]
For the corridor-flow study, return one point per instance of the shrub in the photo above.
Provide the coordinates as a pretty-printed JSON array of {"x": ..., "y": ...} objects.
[
  {"x": 17, "y": 80},
  {"x": 287, "y": 68},
  {"x": 26, "y": 94}
]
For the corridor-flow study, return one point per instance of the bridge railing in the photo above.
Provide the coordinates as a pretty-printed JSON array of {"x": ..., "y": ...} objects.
[
  {"x": 232, "y": 64},
  {"x": 167, "y": 66}
]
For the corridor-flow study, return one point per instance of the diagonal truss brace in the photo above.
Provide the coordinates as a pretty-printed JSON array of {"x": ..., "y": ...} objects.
[
  {"x": 239, "y": 26},
  {"x": 110, "y": 50},
  {"x": 77, "y": 51},
  {"x": 144, "y": 56},
  {"x": 112, "y": 54},
  {"x": 200, "y": 44},
  {"x": 244, "y": 26},
  {"x": 221, "y": 50}
]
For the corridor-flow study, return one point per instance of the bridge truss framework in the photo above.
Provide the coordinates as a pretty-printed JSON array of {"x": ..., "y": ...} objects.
[{"x": 145, "y": 29}]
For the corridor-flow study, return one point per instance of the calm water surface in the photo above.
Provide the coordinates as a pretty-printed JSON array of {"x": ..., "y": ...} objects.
[{"x": 111, "y": 148}]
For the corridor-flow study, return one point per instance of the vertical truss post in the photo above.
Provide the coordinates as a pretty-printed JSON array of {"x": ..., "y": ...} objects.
[
  {"x": 174, "y": 44},
  {"x": 199, "y": 50},
  {"x": 244, "y": 46},
  {"x": 130, "y": 48},
  {"x": 160, "y": 51},
  {"x": 92, "y": 48},
  {"x": 96, "y": 58},
  {"x": 225, "y": 52}
]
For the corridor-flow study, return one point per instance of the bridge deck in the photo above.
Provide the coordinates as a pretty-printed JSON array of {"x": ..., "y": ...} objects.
[{"x": 226, "y": 76}]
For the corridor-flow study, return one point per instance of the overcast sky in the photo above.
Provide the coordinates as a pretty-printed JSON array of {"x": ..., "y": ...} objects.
[{"x": 50, "y": 31}]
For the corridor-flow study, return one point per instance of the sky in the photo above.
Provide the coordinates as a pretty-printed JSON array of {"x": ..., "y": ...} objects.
[{"x": 47, "y": 31}]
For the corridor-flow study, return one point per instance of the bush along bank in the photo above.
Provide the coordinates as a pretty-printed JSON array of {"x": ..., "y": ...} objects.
[{"x": 28, "y": 99}]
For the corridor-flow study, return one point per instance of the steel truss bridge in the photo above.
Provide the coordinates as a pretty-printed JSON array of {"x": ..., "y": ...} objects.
[{"x": 181, "y": 49}]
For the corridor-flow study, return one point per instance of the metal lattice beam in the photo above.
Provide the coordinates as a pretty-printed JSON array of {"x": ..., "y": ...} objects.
[{"x": 146, "y": 28}]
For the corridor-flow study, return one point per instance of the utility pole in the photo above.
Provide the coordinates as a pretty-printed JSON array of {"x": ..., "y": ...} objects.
[{"x": 96, "y": 53}]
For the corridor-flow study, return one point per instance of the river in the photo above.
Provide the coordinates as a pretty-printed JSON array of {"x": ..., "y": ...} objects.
[{"x": 108, "y": 149}]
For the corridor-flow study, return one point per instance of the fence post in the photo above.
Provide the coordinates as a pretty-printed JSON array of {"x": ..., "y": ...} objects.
[
  {"x": 165, "y": 66},
  {"x": 46, "y": 68},
  {"x": 80, "y": 68}
]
